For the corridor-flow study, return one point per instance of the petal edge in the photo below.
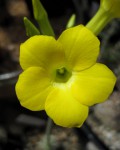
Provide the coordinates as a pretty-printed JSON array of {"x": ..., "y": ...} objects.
[{"x": 93, "y": 85}]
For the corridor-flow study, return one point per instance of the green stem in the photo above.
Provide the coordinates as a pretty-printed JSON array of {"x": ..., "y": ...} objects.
[
  {"x": 99, "y": 21},
  {"x": 48, "y": 134}
]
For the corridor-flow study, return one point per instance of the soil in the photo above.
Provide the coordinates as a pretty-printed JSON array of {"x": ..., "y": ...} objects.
[
  {"x": 105, "y": 121},
  {"x": 12, "y": 33},
  {"x": 61, "y": 138}
]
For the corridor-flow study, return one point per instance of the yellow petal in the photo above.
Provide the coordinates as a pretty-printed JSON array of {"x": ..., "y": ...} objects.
[
  {"x": 42, "y": 51},
  {"x": 81, "y": 47},
  {"x": 32, "y": 88},
  {"x": 93, "y": 85},
  {"x": 64, "y": 109}
]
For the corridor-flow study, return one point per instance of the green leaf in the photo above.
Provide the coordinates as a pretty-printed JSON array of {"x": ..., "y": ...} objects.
[
  {"x": 31, "y": 30},
  {"x": 71, "y": 21},
  {"x": 41, "y": 16}
]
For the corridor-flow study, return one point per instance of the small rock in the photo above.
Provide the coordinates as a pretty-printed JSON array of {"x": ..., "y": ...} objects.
[
  {"x": 17, "y": 8},
  {"x": 109, "y": 112},
  {"x": 91, "y": 146}
]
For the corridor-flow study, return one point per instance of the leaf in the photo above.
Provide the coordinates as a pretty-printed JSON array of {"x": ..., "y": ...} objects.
[
  {"x": 71, "y": 21},
  {"x": 31, "y": 30},
  {"x": 41, "y": 16}
]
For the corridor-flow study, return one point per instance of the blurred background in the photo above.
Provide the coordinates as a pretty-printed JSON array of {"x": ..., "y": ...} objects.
[{"x": 21, "y": 129}]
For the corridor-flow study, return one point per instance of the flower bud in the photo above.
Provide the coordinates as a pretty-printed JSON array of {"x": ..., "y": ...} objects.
[
  {"x": 108, "y": 10},
  {"x": 112, "y": 7}
]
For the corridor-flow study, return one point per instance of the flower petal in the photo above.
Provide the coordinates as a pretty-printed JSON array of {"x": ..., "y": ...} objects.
[
  {"x": 32, "y": 88},
  {"x": 93, "y": 85},
  {"x": 42, "y": 51},
  {"x": 81, "y": 47},
  {"x": 64, "y": 109}
]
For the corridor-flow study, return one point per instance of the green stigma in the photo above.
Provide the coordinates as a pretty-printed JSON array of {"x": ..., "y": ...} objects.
[{"x": 62, "y": 75}]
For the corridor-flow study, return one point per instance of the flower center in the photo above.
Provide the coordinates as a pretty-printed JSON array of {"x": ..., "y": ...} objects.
[{"x": 62, "y": 75}]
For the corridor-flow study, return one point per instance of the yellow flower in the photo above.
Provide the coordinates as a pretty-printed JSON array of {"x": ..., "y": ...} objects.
[
  {"x": 112, "y": 7},
  {"x": 62, "y": 76}
]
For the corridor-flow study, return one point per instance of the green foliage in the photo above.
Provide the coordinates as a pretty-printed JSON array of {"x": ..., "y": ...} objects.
[
  {"x": 71, "y": 21},
  {"x": 41, "y": 16},
  {"x": 31, "y": 30}
]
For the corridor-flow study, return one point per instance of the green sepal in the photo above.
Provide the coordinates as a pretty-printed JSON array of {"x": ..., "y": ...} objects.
[
  {"x": 41, "y": 16},
  {"x": 31, "y": 30},
  {"x": 71, "y": 21}
]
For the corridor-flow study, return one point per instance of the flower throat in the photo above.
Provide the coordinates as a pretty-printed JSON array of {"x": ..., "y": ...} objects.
[{"x": 62, "y": 75}]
